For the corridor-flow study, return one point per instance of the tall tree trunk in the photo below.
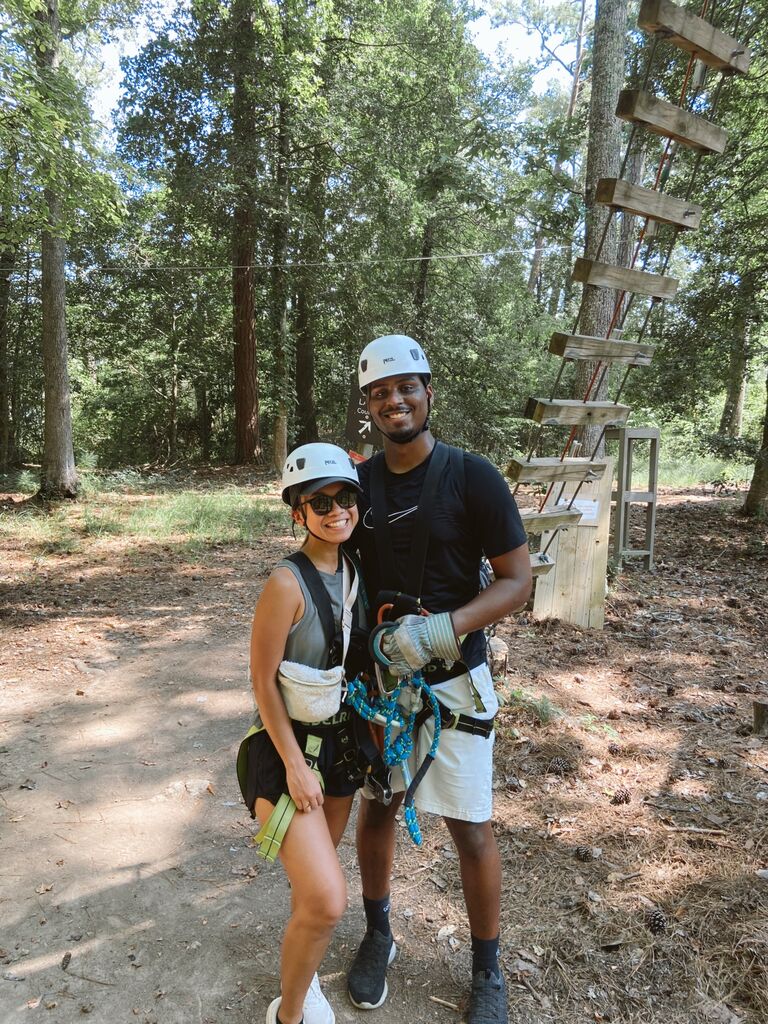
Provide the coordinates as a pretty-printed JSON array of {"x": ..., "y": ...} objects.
[
  {"x": 534, "y": 274},
  {"x": 173, "y": 398},
  {"x": 7, "y": 263},
  {"x": 280, "y": 290},
  {"x": 58, "y": 478},
  {"x": 246, "y": 172},
  {"x": 603, "y": 159},
  {"x": 312, "y": 238},
  {"x": 738, "y": 365},
  {"x": 757, "y": 496},
  {"x": 203, "y": 419}
]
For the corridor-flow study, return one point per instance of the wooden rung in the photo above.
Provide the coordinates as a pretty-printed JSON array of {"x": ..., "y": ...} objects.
[
  {"x": 647, "y": 497},
  {"x": 541, "y": 564},
  {"x": 694, "y": 35},
  {"x": 572, "y": 412},
  {"x": 605, "y": 275},
  {"x": 666, "y": 119},
  {"x": 536, "y": 522},
  {"x": 544, "y": 470},
  {"x": 607, "y": 350},
  {"x": 634, "y": 553},
  {"x": 646, "y": 202}
]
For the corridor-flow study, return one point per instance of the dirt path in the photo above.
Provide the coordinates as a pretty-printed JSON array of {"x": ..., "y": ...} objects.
[{"x": 130, "y": 890}]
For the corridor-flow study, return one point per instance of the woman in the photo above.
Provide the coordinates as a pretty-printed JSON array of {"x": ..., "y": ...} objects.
[{"x": 320, "y": 484}]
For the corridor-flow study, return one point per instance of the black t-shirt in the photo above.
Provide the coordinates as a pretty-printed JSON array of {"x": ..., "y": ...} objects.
[{"x": 482, "y": 518}]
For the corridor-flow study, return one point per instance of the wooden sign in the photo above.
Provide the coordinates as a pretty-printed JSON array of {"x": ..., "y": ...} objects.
[{"x": 360, "y": 429}]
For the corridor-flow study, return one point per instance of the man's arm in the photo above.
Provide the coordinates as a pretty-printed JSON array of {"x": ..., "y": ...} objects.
[{"x": 508, "y": 592}]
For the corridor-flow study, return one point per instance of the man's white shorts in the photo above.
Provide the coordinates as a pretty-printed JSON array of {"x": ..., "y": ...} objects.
[{"x": 458, "y": 783}]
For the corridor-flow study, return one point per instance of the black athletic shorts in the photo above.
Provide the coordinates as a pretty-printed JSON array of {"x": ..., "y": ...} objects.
[{"x": 266, "y": 771}]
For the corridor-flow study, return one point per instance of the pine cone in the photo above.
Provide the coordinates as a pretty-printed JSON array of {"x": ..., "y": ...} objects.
[
  {"x": 583, "y": 853},
  {"x": 614, "y": 749},
  {"x": 656, "y": 920},
  {"x": 560, "y": 766},
  {"x": 621, "y": 796}
]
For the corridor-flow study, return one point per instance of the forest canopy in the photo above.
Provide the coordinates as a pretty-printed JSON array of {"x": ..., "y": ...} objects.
[{"x": 286, "y": 180}]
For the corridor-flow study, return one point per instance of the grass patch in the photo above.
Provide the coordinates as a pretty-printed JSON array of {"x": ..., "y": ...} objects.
[
  {"x": 225, "y": 517},
  {"x": 190, "y": 518},
  {"x": 541, "y": 709}
]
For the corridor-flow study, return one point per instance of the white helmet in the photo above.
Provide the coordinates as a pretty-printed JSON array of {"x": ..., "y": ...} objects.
[
  {"x": 390, "y": 356},
  {"x": 313, "y": 466}
]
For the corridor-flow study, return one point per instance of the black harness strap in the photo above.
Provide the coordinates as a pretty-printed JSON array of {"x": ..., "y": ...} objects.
[
  {"x": 450, "y": 720},
  {"x": 322, "y": 602},
  {"x": 392, "y": 575}
]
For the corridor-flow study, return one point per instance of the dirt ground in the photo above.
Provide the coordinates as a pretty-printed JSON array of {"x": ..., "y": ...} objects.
[{"x": 129, "y": 887}]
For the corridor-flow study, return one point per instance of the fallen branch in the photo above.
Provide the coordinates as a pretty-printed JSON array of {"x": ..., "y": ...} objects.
[{"x": 443, "y": 1002}]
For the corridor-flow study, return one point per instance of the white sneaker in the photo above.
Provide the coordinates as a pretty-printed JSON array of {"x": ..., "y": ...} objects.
[
  {"x": 317, "y": 1009},
  {"x": 272, "y": 1009}
]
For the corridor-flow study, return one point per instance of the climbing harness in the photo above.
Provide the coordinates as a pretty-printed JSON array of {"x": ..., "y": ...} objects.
[
  {"x": 387, "y": 710},
  {"x": 271, "y": 834}
]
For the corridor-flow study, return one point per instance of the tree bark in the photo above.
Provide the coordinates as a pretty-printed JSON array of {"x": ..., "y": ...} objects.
[
  {"x": 738, "y": 365},
  {"x": 58, "y": 478},
  {"x": 7, "y": 264},
  {"x": 246, "y": 172},
  {"x": 306, "y": 277},
  {"x": 757, "y": 496},
  {"x": 280, "y": 290},
  {"x": 603, "y": 160},
  {"x": 203, "y": 419}
]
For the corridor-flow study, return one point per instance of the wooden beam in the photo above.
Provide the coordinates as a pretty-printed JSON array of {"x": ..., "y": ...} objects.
[
  {"x": 694, "y": 35},
  {"x": 544, "y": 470},
  {"x": 541, "y": 564},
  {"x": 536, "y": 522},
  {"x": 607, "y": 350},
  {"x": 605, "y": 275},
  {"x": 666, "y": 119},
  {"x": 572, "y": 412},
  {"x": 647, "y": 202}
]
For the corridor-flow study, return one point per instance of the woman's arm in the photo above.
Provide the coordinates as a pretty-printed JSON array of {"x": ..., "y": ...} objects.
[{"x": 279, "y": 606}]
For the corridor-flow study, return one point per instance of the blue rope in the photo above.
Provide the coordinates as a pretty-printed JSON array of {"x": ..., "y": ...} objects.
[{"x": 397, "y": 751}]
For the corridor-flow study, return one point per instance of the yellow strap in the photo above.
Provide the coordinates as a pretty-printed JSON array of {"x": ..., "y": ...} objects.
[{"x": 271, "y": 834}]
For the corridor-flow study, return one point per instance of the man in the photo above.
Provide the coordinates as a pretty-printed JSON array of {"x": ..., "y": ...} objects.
[{"x": 428, "y": 530}]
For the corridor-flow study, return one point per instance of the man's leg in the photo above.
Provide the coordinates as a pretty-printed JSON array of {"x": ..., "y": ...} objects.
[
  {"x": 480, "y": 866},
  {"x": 367, "y": 979}
]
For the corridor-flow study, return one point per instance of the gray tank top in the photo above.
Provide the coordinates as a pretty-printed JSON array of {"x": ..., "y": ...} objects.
[{"x": 306, "y": 643}]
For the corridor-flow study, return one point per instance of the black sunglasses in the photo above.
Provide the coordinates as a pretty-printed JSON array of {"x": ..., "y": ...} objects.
[{"x": 322, "y": 504}]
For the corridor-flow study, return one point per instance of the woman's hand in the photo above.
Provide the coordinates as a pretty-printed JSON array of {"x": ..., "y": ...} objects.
[{"x": 304, "y": 787}]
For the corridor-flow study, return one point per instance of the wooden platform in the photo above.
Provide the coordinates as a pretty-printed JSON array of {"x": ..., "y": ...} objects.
[
  {"x": 666, "y": 119},
  {"x": 545, "y": 470},
  {"x": 575, "y": 590},
  {"x": 606, "y": 275},
  {"x": 695, "y": 35},
  {"x": 541, "y": 564},
  {"x": 536, "y": 522},
  {"x": 572, "y": 412},
  {"x": 647, "y": 202},
  {"x": 607, "y": 350}
]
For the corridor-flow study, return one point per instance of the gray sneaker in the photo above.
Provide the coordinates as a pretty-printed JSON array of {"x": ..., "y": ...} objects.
[
  {"x": 488, "y": 1001},
  {"x": 367, "y": 978}
]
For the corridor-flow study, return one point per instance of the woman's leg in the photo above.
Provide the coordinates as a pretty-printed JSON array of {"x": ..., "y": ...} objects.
[
  {"x": 336, "y": 810},
  {"x": 318, "y": 898}
]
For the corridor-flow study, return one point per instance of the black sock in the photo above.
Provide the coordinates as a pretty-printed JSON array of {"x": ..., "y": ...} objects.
[
  {"x": 377, "y": 914},
  {"x": 485, "y": 955}
]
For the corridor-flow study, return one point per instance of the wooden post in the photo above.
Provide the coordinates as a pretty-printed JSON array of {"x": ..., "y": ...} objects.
[{"x": 760, "y": 713}]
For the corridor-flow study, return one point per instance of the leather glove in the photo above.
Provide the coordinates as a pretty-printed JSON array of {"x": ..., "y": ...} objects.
[{"x": 418, "y": 640}]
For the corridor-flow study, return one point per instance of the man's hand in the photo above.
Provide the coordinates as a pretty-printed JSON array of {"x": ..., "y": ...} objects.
[{"x": 418, "y": 640}]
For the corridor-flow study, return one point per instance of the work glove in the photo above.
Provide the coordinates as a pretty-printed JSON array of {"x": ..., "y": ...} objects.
[{"x": 418, "y": 640}]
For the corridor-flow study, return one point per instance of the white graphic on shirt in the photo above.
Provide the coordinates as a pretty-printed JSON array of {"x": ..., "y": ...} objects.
[{"x": 393, "y": 516}]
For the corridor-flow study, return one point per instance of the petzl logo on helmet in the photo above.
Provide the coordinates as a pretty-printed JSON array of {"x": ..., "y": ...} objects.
[
  {"x": 388, "y": 359},
  {"x": 301, "y": 463}
]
